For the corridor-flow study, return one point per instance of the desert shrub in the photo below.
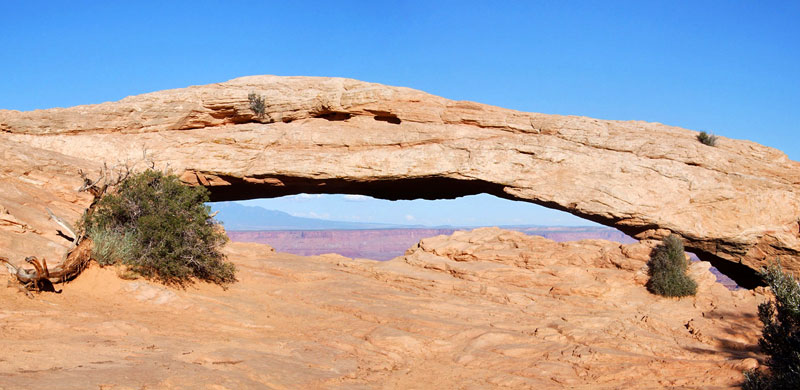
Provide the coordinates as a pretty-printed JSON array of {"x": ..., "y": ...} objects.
[
  {"x": 257, "y": 104},
  {"x": 667, "y": 269},
  {"x": 109, "y": 246},
  {"x": 707, "y": 139},
  {"x": 780, "y": 336},
  {"x": 160, "y": 229}
]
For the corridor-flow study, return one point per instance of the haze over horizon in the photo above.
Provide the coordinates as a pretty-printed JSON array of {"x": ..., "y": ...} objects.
[{"x": 483, "y": 210}]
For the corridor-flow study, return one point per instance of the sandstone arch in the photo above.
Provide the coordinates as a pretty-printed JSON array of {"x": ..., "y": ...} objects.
[{"x": 737, "y": 203}]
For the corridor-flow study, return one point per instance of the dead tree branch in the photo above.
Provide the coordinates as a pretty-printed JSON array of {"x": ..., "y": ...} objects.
[{"x": 66, "y": 226}]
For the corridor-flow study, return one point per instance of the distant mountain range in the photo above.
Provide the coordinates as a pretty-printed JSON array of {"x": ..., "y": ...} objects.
[{"x": 239, "y": 217}]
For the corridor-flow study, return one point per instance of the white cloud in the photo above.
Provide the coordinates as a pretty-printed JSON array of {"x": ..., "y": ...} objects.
[
  {"x": 356, "y": 198},
  {"x": 409, "y": 217},
  {"x": 309, "y": 196},
  {"x": 305, "y": 196}
]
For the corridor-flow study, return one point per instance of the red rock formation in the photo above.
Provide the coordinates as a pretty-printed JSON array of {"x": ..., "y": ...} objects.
[{"x": 739, "y": 201}]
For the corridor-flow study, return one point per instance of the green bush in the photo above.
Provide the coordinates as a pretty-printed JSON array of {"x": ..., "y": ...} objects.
[
  {"x": 780, "y": 337},
  {"x": 707, "y": 139},
  {"x": 257, "y": 104},
  {"x": 160, "y": 229},
  {"x": 110, "y": 247},
  {"x": 667, "y": 269}
]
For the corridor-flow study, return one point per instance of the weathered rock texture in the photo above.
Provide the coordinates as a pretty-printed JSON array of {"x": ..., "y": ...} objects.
[
  {"x": 487, "y": 309},
  {"x": 739, "y": 201}
]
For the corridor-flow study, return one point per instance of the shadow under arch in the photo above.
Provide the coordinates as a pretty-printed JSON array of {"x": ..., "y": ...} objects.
[{"x": 434, "y": 188}]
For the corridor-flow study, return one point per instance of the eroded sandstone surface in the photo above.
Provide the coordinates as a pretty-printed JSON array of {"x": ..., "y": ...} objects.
[
  {"x": 476, "y": 310},
  {"x": 735, "y": 203}
]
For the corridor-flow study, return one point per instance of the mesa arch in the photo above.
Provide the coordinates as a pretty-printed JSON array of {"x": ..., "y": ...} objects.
[{"x": 737, "y": 204}]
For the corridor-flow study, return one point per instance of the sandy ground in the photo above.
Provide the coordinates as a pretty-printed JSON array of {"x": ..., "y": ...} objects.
[{"x": 424, "y": 322}]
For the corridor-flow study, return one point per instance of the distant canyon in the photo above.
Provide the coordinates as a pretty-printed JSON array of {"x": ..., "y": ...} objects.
[{"x": 386, "y": 244}]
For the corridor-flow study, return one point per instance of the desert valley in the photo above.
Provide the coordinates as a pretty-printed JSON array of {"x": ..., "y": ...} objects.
[{"x": 386, "y": 244}]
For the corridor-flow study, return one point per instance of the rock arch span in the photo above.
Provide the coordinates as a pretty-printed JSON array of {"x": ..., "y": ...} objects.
[{"x": 737, "y": 204}]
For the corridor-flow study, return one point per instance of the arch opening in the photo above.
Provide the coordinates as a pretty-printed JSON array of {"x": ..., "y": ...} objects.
[
  {"x": 359, "y": 226},
  {"x": 429, "y": 188},
  {"x": 432, "y": 188}
]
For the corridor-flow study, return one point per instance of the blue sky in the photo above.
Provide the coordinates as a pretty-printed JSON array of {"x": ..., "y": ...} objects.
[
  {"x": 474, "y": 210},
  {"x": 729, "y": 67}
]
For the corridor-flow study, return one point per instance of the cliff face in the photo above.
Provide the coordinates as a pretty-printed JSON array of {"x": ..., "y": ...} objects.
[{"x": 737, "y": 202}]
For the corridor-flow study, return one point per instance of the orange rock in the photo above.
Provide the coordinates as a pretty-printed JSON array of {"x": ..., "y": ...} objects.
[
  {"x": 739, "y": 201},
  {"x": 520, "y": 312}
]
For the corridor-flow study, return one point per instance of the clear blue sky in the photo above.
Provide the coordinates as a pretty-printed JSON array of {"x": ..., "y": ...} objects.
[{"x": 729, "y": 67}]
